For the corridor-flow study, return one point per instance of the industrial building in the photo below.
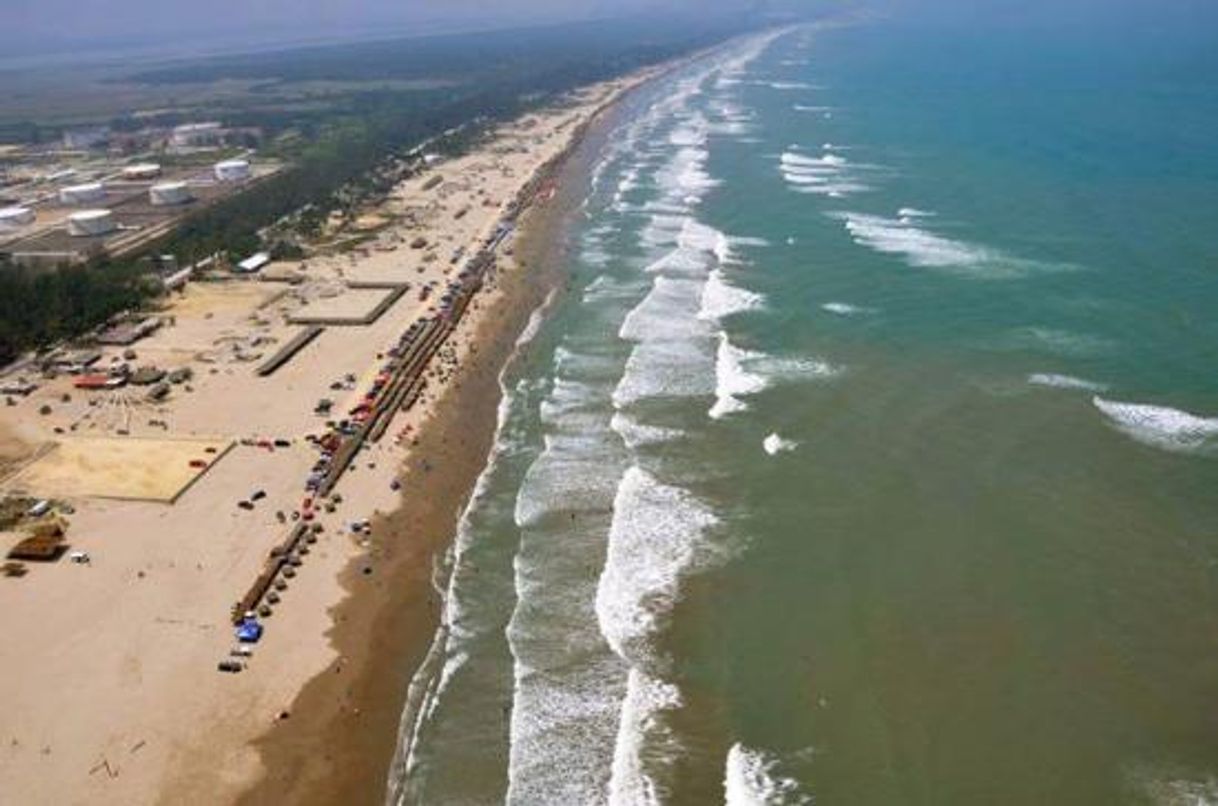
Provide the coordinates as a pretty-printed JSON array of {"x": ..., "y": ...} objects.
[{"x": 253, "y": 263}]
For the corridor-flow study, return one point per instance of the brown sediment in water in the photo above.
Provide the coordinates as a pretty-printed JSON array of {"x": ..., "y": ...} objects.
[{"x": 339, "y": 740}]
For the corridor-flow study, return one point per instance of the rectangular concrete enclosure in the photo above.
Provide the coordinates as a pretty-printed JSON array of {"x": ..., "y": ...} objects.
[
  {"x": 356, "y": 306},
  {"x": 119, "y": 467}
]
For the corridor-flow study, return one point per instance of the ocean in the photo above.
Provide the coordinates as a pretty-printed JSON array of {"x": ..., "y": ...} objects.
[{"x": 871, "y": 454}]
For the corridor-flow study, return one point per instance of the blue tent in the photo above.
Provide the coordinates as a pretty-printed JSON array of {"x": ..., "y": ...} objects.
[{"x": 249, "y": 631}]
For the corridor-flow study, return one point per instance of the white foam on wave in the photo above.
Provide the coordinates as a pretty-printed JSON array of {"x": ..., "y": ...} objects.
[
  {"x": 922, "y": 248},
  {"x": 1053, "y": 380},
  {"x": 845, "y": 309},
  {"x": 605, "y": 287},
  {"x": 568, "y": 397},
  {"x": 829, "y": 174},
  {"x": 659, "y": 534},
  {"x": 664, "y": 369},
  {"x": 1162, "y": 427},
  {"x": 669, "y": 311},
  {"x": 698, "y": 237},
  {"x": 721, "y": 299},
  {"x": 637, "y": 434},
  {"x": 663, "y": 229},
  {"x": 774, "y": 445},
  {"x": 642, "y": 734},
  {"x": 685, "y": 176},
  {"x": 1057, "y": 341},
  {"x": 1175, "y": 786},
  {"x": 569, "y": 475},
  {"x": 751, "y": 778},
  {"x": 536, "y": 320},
  {"x": 791, "y": 86},
  {"x": 810, "y": 108},
  {"x": 733, "y": 379}
]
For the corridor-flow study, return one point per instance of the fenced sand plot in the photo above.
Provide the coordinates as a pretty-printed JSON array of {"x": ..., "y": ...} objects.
[
  {"x": 123, "y": 468},
  {"x": 202, "y": 299},
  {"x": 354, "y": 306}
]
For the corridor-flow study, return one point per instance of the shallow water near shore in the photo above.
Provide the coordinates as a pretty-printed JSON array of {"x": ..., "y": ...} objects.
[{"x": 869, "y": 456}]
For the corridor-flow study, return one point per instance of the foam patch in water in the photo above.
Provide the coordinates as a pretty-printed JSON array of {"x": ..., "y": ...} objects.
[
  {"x": 751, "y": 778},
  {"x": 827, "y": 175},
  {"x": 845, "y": 309},
  {"x": 922, "y": 248},
  {"x": 636, "y": 434},
  {"x": 774, "y": 445},
  {"x": 1162, "y": 427},
  {"x": 1055, "y": 381}
]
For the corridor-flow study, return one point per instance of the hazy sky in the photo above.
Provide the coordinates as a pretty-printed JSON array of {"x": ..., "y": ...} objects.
[
  {"x": 136, "y": 19},
  {"x": 27, "y": 25}
]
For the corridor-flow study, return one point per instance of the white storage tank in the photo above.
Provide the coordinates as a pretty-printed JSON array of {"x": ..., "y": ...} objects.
[
  {"x": 91, "y": 222},
  {"x": 82, "y": 194},
  {"x": 12, "y": 218},
  {"x": 167, "y": 193},
  {"x": 233, "y": 170},
  {"x": 143, "y": 170}
]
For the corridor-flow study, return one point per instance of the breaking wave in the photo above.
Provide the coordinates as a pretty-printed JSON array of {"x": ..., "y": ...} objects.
[
  {"x": 733, "y": 380},
  {"x": 922, "y": 248},
  {"x": 828, "y": 175},
  {"x": 1055, "y": 381},
  {"x": 752, "y": 778},
  {"x": 1162, "y": 427}
]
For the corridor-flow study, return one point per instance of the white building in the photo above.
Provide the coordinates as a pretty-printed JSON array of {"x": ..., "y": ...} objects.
[{"x": 254, "y": 263}]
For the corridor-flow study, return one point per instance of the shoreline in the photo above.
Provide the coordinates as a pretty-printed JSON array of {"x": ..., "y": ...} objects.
[{"x": 342, "y": 738}]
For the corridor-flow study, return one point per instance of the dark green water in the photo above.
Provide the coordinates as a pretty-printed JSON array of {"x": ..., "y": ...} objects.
[{"x": 873, "y": 456}]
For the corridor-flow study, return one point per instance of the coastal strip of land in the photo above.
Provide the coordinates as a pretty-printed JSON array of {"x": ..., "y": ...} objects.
[{"x": 178, "y": 498}]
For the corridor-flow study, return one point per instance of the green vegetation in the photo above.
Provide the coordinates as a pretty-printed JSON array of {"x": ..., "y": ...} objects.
[{"x": 39, "y": 308}]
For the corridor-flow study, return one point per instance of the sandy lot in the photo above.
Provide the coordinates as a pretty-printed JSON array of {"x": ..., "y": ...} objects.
[{"x": 104, "y": 467}]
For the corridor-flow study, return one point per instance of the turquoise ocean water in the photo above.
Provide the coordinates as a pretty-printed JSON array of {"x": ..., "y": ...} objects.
[{"x": 872, "y": 456}]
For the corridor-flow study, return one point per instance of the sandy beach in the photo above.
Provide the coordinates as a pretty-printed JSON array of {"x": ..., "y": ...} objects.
[{"x": 110, "y": 691}]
